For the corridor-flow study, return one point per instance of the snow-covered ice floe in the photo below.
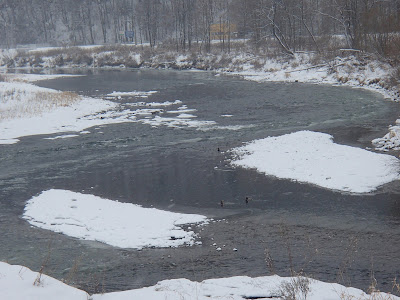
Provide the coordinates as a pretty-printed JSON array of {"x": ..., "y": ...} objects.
[
  {"x": 118, "y": 224},
  {"x": 65, "y": 136},
  {"x": 177, "y": 122},
  {"x": 16, "y": 283},
  {"x": 313, "y": 157},
  {"x": 137, "y": 94}
]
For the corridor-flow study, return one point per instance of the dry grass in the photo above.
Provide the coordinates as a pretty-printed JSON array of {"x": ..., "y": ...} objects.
[
  {"x": 46, "y": 260},
  {"x": 296, "y": 288},
  {"x": 21, "y": 103}
]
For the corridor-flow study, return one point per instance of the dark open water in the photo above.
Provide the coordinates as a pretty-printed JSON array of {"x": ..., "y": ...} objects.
[{"x": 332, "y": 236}]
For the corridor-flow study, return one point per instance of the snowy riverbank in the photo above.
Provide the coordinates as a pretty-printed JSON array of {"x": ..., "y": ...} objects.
[
  {"x": 26, "y": 109},
  {"x": 20, "y": 283},
  {"x": 349, "y": 68}
]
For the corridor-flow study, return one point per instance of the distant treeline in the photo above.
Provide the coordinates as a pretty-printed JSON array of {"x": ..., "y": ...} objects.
[{"x": 290, "y": 25}]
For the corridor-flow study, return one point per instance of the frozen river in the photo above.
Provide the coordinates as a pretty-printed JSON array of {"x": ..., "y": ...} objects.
[{"x": 330, "y": 235}]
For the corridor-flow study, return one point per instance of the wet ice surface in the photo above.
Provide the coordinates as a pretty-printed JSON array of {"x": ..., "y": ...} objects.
[{"x": 180, "y": 169}]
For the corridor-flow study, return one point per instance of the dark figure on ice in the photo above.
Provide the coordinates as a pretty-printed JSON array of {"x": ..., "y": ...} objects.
[
  {"x": 247, "y": 200},
  {"x": 222, "y": 203},
  {"x": 218, "y": 149}
]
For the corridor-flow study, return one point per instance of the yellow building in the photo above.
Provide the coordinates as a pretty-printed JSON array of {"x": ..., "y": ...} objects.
[{"x": 223, "y": 31}]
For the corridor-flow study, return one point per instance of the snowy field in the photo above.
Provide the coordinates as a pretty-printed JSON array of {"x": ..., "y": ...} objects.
[
  {"x": 118, "y": 224},
  {"x": 20, "y": 283},
  {"x": 313, "y": 157}
]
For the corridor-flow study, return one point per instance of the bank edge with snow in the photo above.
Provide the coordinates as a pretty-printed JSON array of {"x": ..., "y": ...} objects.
[
  {"x": 123, "y": 225},
  {"x": 17, "y": 283},
  {"x": 313, "y": 157}
]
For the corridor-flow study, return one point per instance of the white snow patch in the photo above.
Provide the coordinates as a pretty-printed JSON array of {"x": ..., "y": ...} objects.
[
  {"x": 65, "y": 136},
  {"x": 8, "y": 141},
  {"x": 186, "y": 116},
  {"x": 228, "y": 127},
  {"x": 118, "y": 224},
  {"x": 76, "y": 117},
  {"x": 132, "y": 94},
  {"x": 391, "y": 141},
  {"x": 166, "y": 103},
  {"x": 36, "y": 77},
  {"x": 239, "y": 288},
  {"x": 179, "y": 111},
  {"x": 26, "y": 110},
  {"x": 312, "y": 157},
  {"x": 177, "y": 122},
  {"x": 16, "y": 283}
]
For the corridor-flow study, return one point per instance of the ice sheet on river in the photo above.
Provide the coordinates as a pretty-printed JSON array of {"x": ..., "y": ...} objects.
[
  {"x": 118, "y": 224},
  {"x": 313, "y": 157}
]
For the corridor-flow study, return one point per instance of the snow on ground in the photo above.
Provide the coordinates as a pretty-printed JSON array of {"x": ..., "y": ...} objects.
[
  {"x": 35, "y": 77},
  {"x": 349, "y": 71},
  {"x": 313, "y": 157},
  {"x": 118, "y": 224},
  {"x": 17, "y": 283},
  {"x": 26, "y": 109},
  {"x": 391, "y": 141},
  {"x": 241, "y": 288}
]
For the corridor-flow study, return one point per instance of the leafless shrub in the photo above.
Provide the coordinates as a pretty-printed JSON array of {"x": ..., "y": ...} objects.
[
  {"x": 258, "y": 64},
  {"x": 59, "y": 60},
  {"x": 36, "y": 61},
  {"x": 269, "y": 261},
  {"x": 373, "y": 293},
  {"x": 38, "y": 280},
  {"x": 96, "y": 283},
  {"x": 71, "y": 276},
  {"x": 284, "y": 232},
  {"x": 396, "y": 287},
  {"x": 347, "y": 259},
  {"x": 296, "y": 288}
]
